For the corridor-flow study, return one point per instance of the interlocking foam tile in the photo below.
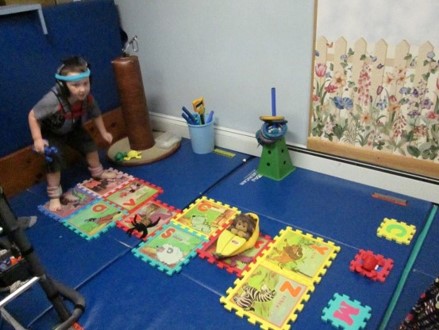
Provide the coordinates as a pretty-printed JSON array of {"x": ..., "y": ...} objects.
[
  {"x": 72, "y": 201},
  {"x": 301, "y": 255},
  {"x": 206, "y": 216},
  {"x": 344, "y": 313},
  {"x": 94, "y": 219},
  {"x": 147, "y": 218},
  {"x": 102, "y": 188},
  {"x": 133, "y": 193},
  {"x": 170, "y": 248},
  {"x": 274, "y": 288},
  {"x": 381, "y": 266},
  {"x": 236, "y": 264},
  {"x": 267, "y": 296},
  {"x": 398, "y": 231}
]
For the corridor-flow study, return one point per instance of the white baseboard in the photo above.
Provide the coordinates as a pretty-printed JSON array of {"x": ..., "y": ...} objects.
[{"x": 246, "y": 143}]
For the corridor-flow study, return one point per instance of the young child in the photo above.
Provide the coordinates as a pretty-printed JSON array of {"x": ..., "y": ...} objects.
[{"x": 57, "y": 120}]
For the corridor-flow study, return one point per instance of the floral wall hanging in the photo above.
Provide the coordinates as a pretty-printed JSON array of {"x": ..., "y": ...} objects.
[{"x": 376, "y": 101}]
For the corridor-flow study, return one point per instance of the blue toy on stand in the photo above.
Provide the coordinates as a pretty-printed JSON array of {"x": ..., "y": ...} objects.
[{"x": 275, "y": 162}]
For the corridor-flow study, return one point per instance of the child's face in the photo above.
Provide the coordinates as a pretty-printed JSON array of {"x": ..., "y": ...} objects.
[{"x": 79, "y": 89}]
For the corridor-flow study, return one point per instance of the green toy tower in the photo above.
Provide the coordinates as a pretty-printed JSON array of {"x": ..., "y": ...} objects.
[{"x": 275, "y": 162}]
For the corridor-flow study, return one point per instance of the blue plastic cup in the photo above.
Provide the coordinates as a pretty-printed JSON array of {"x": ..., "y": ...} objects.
[{"x": 202, "y": 137}]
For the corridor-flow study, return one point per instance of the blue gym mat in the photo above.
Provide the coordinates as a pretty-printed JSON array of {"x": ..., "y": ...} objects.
[
  {"x": 122, "y": 291},
  {"x": 422, "y": 274},
  {"x": 336, "y": 210},
  {"x": 73, "y": 260}
]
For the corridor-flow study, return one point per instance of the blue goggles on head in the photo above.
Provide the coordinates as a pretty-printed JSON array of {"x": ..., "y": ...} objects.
[{"x": 74, "y": 77}]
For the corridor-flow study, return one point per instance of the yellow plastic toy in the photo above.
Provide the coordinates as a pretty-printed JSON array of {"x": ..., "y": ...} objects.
[
  {"x": 133, "y": 154},
  {"x": 242, "y": 235}
]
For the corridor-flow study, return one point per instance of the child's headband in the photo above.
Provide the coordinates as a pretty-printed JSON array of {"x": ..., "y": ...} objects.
[{"x": 73, "y": 77}]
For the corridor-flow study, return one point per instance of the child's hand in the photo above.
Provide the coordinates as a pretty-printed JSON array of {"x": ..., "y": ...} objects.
[
  {"x": 107, "y": 137},
  {"x": 39, "y": 145}
]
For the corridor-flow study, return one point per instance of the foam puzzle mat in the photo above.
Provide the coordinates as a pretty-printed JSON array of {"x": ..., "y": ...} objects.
[
  {"x": 206, "y": 216},
  {"x": 235, "y": 264},
  {"x": 147, "y": 218},
  {"x": 103, "y": 187},
  {"x": 274, "y": 280},
  {"x": 93, "y": 206},
  {"x": 94, "y": 219},
  {"x": 73, "y": 200},
  {"x": 170, "y": 248},
  {"x": 275, "y": 288},
  {"x": 343, "y": 213},
  {"x": 373, "y": 266},
  {"x": 344, "y": 313},
  {"x": 179, "y": 240},
  {"x": 397, "y": 231}
]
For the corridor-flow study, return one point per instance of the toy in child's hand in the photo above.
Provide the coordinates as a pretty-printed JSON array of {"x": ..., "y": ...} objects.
[
  {"x": 239, "y": 237},
  {"x": 50, "y": 153}
]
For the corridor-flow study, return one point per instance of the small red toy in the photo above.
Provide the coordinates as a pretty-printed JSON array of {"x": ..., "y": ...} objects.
[
  {"x": 370, "y": 265},
  {"x": 370, "y": 262}
]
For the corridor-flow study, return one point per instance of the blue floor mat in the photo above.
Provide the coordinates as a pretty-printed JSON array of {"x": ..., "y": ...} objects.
[
  {"x": 421, "y": 276},
  {"x": 151, "y": 300},
  {"x": 416, "y": 284},
  {"x": 122, "y": 291},
  {"x": 185, "y": 176},
  {"x": 334, "y": 209},
  {"x": 71, "y": 259},
  {"x": 427, "y": 259},
  {"x": 65, "y": 257}
]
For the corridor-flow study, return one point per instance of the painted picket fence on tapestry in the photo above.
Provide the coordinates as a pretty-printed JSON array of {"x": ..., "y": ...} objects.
[{"x": 377, "y": 97}]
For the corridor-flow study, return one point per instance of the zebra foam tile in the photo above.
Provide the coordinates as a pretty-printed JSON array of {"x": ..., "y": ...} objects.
[
  {"x": 170, "y": 248},
  {"x": 145, "y": 220},
  {"x": 268, "y": 297},
  {"x": 94, "y": 219},
  {"x": 398, "y": 231},
  {"x": 132, "y": 194},
  {"x": 206, "y": 216},
  {"x": 72, "y": 201},
  {"x": 236, "y": 264},
  {"x": 103, "y": 187},
  {"x": 301, "y": 255}
]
